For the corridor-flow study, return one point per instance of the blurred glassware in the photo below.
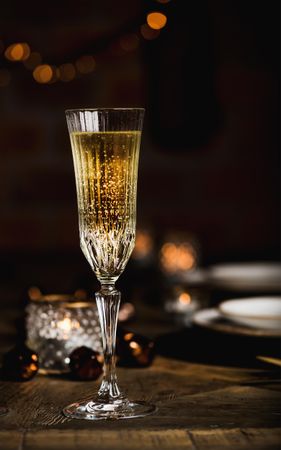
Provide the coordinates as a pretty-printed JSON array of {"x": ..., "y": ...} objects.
[
  {"x": 182, "y": 301},
  {"x": 57, "y": 324}
]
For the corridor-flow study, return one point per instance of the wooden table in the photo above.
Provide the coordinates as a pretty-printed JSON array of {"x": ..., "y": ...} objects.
[
  {"x": 209, "y": 390},
  {"x": 199, "y": 407}
]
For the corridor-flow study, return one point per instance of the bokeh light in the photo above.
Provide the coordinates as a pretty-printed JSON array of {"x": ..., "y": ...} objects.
[
  {"x": 18, "y": 52},
  {"x": 184, "y": 298},
  {"x": 156, "y": 20},
  {"x": 143, "y": 245},
  {"x": 43, "y": 73},
  {"x": 177, "y": 257}
]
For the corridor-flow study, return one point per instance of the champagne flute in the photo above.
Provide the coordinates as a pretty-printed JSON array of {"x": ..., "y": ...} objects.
[{"x": 105, "y": 146}]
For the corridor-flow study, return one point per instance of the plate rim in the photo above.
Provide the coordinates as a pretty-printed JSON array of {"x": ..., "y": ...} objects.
[
  {"x": 247, "y": 316},
  {"x": 231, "y": 328}
]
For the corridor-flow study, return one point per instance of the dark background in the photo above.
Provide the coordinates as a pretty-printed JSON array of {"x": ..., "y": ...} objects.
[{"x": 210, "y": 151}]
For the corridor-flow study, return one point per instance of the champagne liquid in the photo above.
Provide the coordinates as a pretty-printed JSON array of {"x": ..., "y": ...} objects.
[{"x": 106, "y": 170}]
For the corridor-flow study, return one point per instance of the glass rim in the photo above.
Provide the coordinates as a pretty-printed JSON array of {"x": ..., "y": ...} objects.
[{"x": 104, "y": 109}]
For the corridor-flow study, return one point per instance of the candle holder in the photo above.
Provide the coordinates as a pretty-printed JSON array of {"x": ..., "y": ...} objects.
[
  {"x": 186, "y": 293},
  {"x": 56, "y": 325}
]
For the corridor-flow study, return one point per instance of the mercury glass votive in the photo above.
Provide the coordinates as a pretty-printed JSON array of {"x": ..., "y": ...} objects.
[{"x": 56, "y": 325}]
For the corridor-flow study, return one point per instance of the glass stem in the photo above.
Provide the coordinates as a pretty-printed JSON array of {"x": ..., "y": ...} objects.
[{"x": 108, "y": 302}]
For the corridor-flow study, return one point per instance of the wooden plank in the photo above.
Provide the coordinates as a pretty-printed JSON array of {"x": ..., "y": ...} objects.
[
  {"x": 11, "y": 440},
  {"x": 122, "y": 439},
  {"x": 233, "y": 439},
  {"x": 257, "y": 437},
  {"x": 185, "y": 397}
]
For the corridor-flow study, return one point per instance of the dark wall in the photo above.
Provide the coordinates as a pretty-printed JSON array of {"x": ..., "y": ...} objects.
[{"x": 210, "y": 150}]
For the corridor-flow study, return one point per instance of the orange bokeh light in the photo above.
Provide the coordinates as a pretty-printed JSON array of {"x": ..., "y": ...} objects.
[
  {"x": 184, "y": 298},
  {"x": 143, "y": 245},
  {"x": 177, "y": 257},
  {"x": 156, "y": 20},
  {"x": 43, "y": 73},
  {"x": 17, "y": 52}
]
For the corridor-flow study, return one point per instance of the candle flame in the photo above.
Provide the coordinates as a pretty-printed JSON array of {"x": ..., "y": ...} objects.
[
  {"x": 185, "y": 298},
  {"x": 65, "y": 324}
]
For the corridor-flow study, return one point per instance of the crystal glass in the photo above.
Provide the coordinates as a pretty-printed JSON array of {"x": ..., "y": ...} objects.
[
  {"x": 56, "y": 325},
  {"x": 105, "y": 146}
]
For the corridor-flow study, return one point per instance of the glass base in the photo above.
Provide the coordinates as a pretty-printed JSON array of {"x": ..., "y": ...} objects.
[{"x": 108, "y": 411}]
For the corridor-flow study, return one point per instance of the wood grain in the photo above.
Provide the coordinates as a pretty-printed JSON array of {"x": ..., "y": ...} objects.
[{"x": 199, "y": 407}]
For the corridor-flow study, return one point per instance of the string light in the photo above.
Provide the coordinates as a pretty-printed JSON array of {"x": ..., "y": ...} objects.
[
  {"x": 43, "y": 73},
  {"x": 18, "y": 52},
  {"x": 85, "y": 64},
  {"x": 156, "y": 20}
]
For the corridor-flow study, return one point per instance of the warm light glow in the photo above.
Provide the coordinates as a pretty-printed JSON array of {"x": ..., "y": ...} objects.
[
  {"x": 67, "y": 72},
  {"x": 185, "y": 298},
  {"x": 128, "y": 336},
  {"x": 177, "y": 257},
  {"x": 135, "y": 347},
  {"x": 34, "y": 357},
  {"x": 143, "y": 245},
  {"x": 18, "y": 52},
  {"x": 33, "y": 61},
  {"x": 43, "y": 73},
  {"x": 148, "y": 33},
  {"x": 33, "y": 367},
  {"x": 5, "y": 77},
  {"x": 65, "y": 324},
  {"x": 34, "y": 293},
  {"x": 126, "y": 311},
  {"x": 80, "y": 294},
  {"x": 129, "y": 42},
  {"x": 134, "y": 344},
  {"x": 156, "y": 20},
  {"x": 85, "y": 64}
]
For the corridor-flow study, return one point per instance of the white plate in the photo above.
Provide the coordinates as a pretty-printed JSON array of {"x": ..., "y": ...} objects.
[
  {"x": 211, "y": 318},
  {"x": 255, "y": 276},
  {"x": 258, "y": 312}
]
